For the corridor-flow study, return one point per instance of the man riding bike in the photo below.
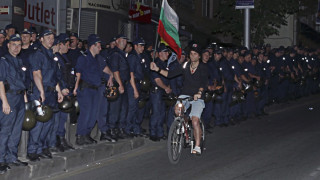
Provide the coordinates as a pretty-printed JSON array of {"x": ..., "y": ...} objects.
[{"x": 195, "y": 75}]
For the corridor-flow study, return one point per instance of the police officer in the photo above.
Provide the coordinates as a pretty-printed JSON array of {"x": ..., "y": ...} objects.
[
  {"x": 47, "y": 89},
  {"x": 176, "y": 84},
  {"x": 160, "y": 86},
  {"x": 118, "y": 109},
  {"x": 135, "y": 114},
  {"x": 88, "y": 74},
  {"x": 26, "y": 50},
  {"x": 217, "y": 101},
  {"x": 229, "y": 79},
  {"x": 2, "y": 44},
  {"x": 207, "y": 111},
  {"x": 74, "y": 52},
  {"x": 58, "y": 139},
  {"x": 12, "y": 94},
  {"x": 103, "y": 104}
]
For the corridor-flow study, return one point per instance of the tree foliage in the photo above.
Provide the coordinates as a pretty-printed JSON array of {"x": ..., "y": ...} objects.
[{"x": 266, "y": 17}]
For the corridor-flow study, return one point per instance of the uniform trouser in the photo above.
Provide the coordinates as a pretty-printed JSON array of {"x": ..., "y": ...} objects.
[
  {"x": 11, "y": 128},
  {"x": 283, "y": 90},
  {"x": 88, "y": 102},
  {"x": 170, "y": 117},
  {"x": 217, "y": 111},
  {"x": 38, "y": 135},
  {"x": 250, "y": 104},
  {"x": 63, "y": 117},
  {"x": 52, "y": 136},
  {"x": 118, "y": 111},
  {"x": 102, "y": 111},
  {"x": 273, "y": 88},
  {"x": 226, "y": 102},
  {"x": 263, "y": 99},
  {"x": 133, "y": 109},
  {"x": 158, "y": 114},
  {"x": 235, "y": 110},
  {"x": 207, "y": 113}
]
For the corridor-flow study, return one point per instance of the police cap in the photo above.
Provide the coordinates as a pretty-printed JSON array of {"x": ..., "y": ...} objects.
[
  {"x": 46, "y": 32},
  {"x": 9, "y": 26},
  {"x": 15, "y": 37},
  {"x": 93, "y": 39},
  {"x": 162, "y": 48},
  {"x": 3, "y": 32},
  {"x": 26, "y": 31},
  {"x": 139, "y": 41}
]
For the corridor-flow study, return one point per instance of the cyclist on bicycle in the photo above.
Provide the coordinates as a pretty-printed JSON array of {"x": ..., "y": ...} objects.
[{"x": 195, "y": 75}]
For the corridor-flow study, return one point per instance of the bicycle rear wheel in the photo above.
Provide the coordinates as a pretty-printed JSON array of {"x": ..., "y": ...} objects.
[{"x": 175, "y": 142}]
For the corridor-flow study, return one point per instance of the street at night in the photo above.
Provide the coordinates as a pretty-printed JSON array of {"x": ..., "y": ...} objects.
[{"x": 284, "y": 145}]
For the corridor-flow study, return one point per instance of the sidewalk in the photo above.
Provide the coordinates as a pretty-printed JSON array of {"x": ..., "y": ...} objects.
[{"x": 66, "y": 161}]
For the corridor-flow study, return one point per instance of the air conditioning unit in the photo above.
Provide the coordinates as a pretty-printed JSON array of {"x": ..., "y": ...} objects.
[{"x": 69, "y": 18}]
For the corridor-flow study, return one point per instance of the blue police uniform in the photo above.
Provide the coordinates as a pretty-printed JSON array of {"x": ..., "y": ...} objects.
[
  {"x": 217, "y": 102},
  {"x": 228, "y": 77},
  {"x": 87, "y": 92},
  {"x": 11, "y": 124},
  {"x": 208, "y": 110},
  {"x": 235, "y": 108},
  {"x": 103, "y": 106},
  {"x": 119, "y": 107},
  {"x": 133, "y": 118},
  {"x": 43, "y": 60},
  {"x": 73, "y": 55},
  {"x": 158, "y": 105},
  {"x": 176, "y": 84},
  {"x": 265, "y": 76}
]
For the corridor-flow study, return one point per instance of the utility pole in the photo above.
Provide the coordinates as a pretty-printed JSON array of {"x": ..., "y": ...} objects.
[{"x": 247, "y": 28}]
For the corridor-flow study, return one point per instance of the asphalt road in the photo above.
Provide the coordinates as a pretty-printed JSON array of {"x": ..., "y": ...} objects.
[{"x": 284, "y": 145}]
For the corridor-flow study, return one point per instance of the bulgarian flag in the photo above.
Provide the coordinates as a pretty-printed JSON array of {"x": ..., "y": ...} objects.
[{"x": 168, "y": 28}]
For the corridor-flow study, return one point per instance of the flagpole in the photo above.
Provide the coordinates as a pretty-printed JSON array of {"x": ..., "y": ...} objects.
[{"x": 155, "y": 47}]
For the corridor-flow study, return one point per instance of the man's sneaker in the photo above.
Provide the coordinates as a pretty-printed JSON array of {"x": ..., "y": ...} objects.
[{"x": 196, "y": 150}]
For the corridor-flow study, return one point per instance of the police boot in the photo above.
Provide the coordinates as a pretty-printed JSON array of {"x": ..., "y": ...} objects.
[
  {"x": 122, "y": 134},
  {"x": 46, "y": 154},
  {"x": 82, "y": 140},
  {"x": 106, "y": 137},
  {"x": 113, "y": 134},
  {"x": 59, "y": 144},
  {"x": 3, "y": 168},
  {"x": 65, "y": 144},
  {"x": 89, "y": 138}
]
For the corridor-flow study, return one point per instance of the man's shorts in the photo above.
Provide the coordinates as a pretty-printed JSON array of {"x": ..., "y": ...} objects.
[{"x": 196, "y": 106}]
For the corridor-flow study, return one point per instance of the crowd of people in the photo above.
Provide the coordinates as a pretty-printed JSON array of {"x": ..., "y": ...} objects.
[{"x": 115, "y": 87}]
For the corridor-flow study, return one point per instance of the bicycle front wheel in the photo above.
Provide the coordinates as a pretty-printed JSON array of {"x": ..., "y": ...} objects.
[{"x": 175, "y": 142}]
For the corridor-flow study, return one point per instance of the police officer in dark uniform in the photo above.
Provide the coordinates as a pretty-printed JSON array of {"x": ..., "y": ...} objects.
[
  {"x": 88, "y": 74},
  {"x": 207, "y": 111},
  {"x": 118, "y": 109},
  {"x": 175, "y": 85},
  {"x": 2, "y": 44},
  {"x": 74, "y": 52},
  {"x": 47, "y": 87},
  {"x": 135, "y": 114},
  {"x": 160, "y": 86},
  {"x": 58, "y": 139},
  {"x": 12, "y": 95},
  {"x": 26, "y": 50},
  {"x": 106, "y": 81}
]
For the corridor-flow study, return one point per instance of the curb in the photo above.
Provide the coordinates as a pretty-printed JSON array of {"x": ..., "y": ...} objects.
[{"x": 64, "y": 162}]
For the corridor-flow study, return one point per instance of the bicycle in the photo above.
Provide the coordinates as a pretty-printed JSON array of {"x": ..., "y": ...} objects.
[{"x": 181, "y": 133}]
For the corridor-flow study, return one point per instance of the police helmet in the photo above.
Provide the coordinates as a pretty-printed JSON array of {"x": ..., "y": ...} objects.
[
  {"x": 66, "y": 105},
  {"x": 257, "y": 83},
  {"x": 29, "y": 121},
  {"x": 111, "y": 93},
  {"x": 208, "y": 96},
  {"x": 219, "y": 90},
  {"x": 170, "y": 100},
  {"x": 46, "y": 116},
  {"x": 145, "y": 84}
]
